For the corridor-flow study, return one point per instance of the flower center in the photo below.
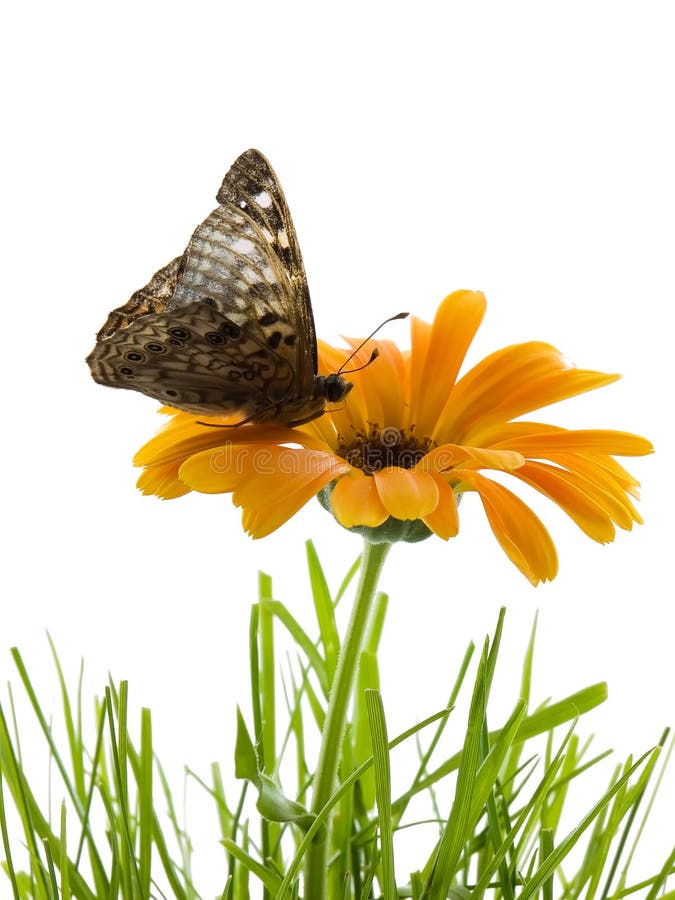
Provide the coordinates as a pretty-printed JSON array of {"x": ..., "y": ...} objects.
[{"x": 384, "y": 447}]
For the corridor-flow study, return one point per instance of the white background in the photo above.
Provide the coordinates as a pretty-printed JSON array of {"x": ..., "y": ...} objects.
[{"x": 523, "y": 149}]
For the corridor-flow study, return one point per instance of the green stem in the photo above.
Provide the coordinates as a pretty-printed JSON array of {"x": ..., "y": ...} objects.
[{"x": 325, "y": 777}]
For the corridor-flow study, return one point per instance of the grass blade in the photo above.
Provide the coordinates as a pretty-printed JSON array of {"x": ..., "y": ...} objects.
[
  {"x": 550, "y": 864},
  {"x": 145, "y": 803},
  {"x": 294, "y": 866},
  {"x": 269, "y": 879},
  {"x": 381, "y": 766},
  {"x": 325, "y": 611}
]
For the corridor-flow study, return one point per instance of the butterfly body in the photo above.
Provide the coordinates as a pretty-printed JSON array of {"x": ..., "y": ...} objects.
[{"x": 228, "y": 326}]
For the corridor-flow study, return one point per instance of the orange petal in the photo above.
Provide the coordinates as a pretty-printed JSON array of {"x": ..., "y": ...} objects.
[
  {"x": 420, "y": 337},
  {"x": 596, "y": 471},
  {"x": 610, "y": 467},
  {"x": 263, "y": 520},
  {"x": 591, "y": 507},
  {"x": 507, "y": 434},
  {"x": 488, "y": 383},
  {"x": 382, "y": 383},
  {"x": 520, "y": 533},
  {"x": 537, "y": 394},
  {"x": 622, "y": 476},
  {"x": 501, "y": 432},
  {"x": 405, "y": 493},
  {"x": 448, "y": 456},
  {"x": 330, "y": 358},
  {"x": 221, "y": 469},
  {"x": 258, "y": 474},
  {"x": 352, "y": 414},
  {"x": 444, "y": 520},
  {"x": 184, "y": 436},
  {"x": 284, "y": 472},
  {"x": 355, "y": 501},
  {"x": 454, "y": 327},
  {"x": 614, "y": 443},
  {"x": 163, "y": 481}
]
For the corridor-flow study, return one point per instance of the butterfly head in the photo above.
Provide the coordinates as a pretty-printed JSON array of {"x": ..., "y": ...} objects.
[
  {"x": 326, "y": 389},
  {"x": 331, "y": 387}
]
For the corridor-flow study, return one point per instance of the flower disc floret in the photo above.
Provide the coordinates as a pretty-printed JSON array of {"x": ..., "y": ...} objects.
[{"x": 383, "y": 447}]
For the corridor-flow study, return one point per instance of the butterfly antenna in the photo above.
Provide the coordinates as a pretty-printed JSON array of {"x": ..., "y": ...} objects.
[{"x": 375, "y": 353}]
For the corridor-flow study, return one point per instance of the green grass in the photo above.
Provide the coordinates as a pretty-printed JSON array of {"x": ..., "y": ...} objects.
[{"x": 115, "y": 832}]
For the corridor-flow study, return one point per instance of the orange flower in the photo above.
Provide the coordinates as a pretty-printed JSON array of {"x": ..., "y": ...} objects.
[{"x": 393, "y": 460}]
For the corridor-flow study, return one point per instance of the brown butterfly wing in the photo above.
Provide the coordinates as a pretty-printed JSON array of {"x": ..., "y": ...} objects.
[
  {"x": 240, "y": 189},
  {"x": 245, "y": 258},
  {"x": 242, "y": 267},
  {"x": 199, "y": 361},
  {"x": 149, "y": 300}
]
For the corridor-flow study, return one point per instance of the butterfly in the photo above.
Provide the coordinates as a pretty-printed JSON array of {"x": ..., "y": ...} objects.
[{"x": 227, "y": 327}]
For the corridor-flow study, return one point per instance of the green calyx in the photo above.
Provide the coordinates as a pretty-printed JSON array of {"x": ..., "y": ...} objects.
[{"x": 392, "y": 530}]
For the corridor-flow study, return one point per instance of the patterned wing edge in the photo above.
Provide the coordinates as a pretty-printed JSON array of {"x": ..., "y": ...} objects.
[
  {"x": 180, "y": 361},
  {"x": 151, "y": 299},
  {"x": 252, "y": 186}
]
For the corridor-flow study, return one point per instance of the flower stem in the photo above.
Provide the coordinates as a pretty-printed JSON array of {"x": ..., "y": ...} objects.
[{"x": 325, "y": 776}]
